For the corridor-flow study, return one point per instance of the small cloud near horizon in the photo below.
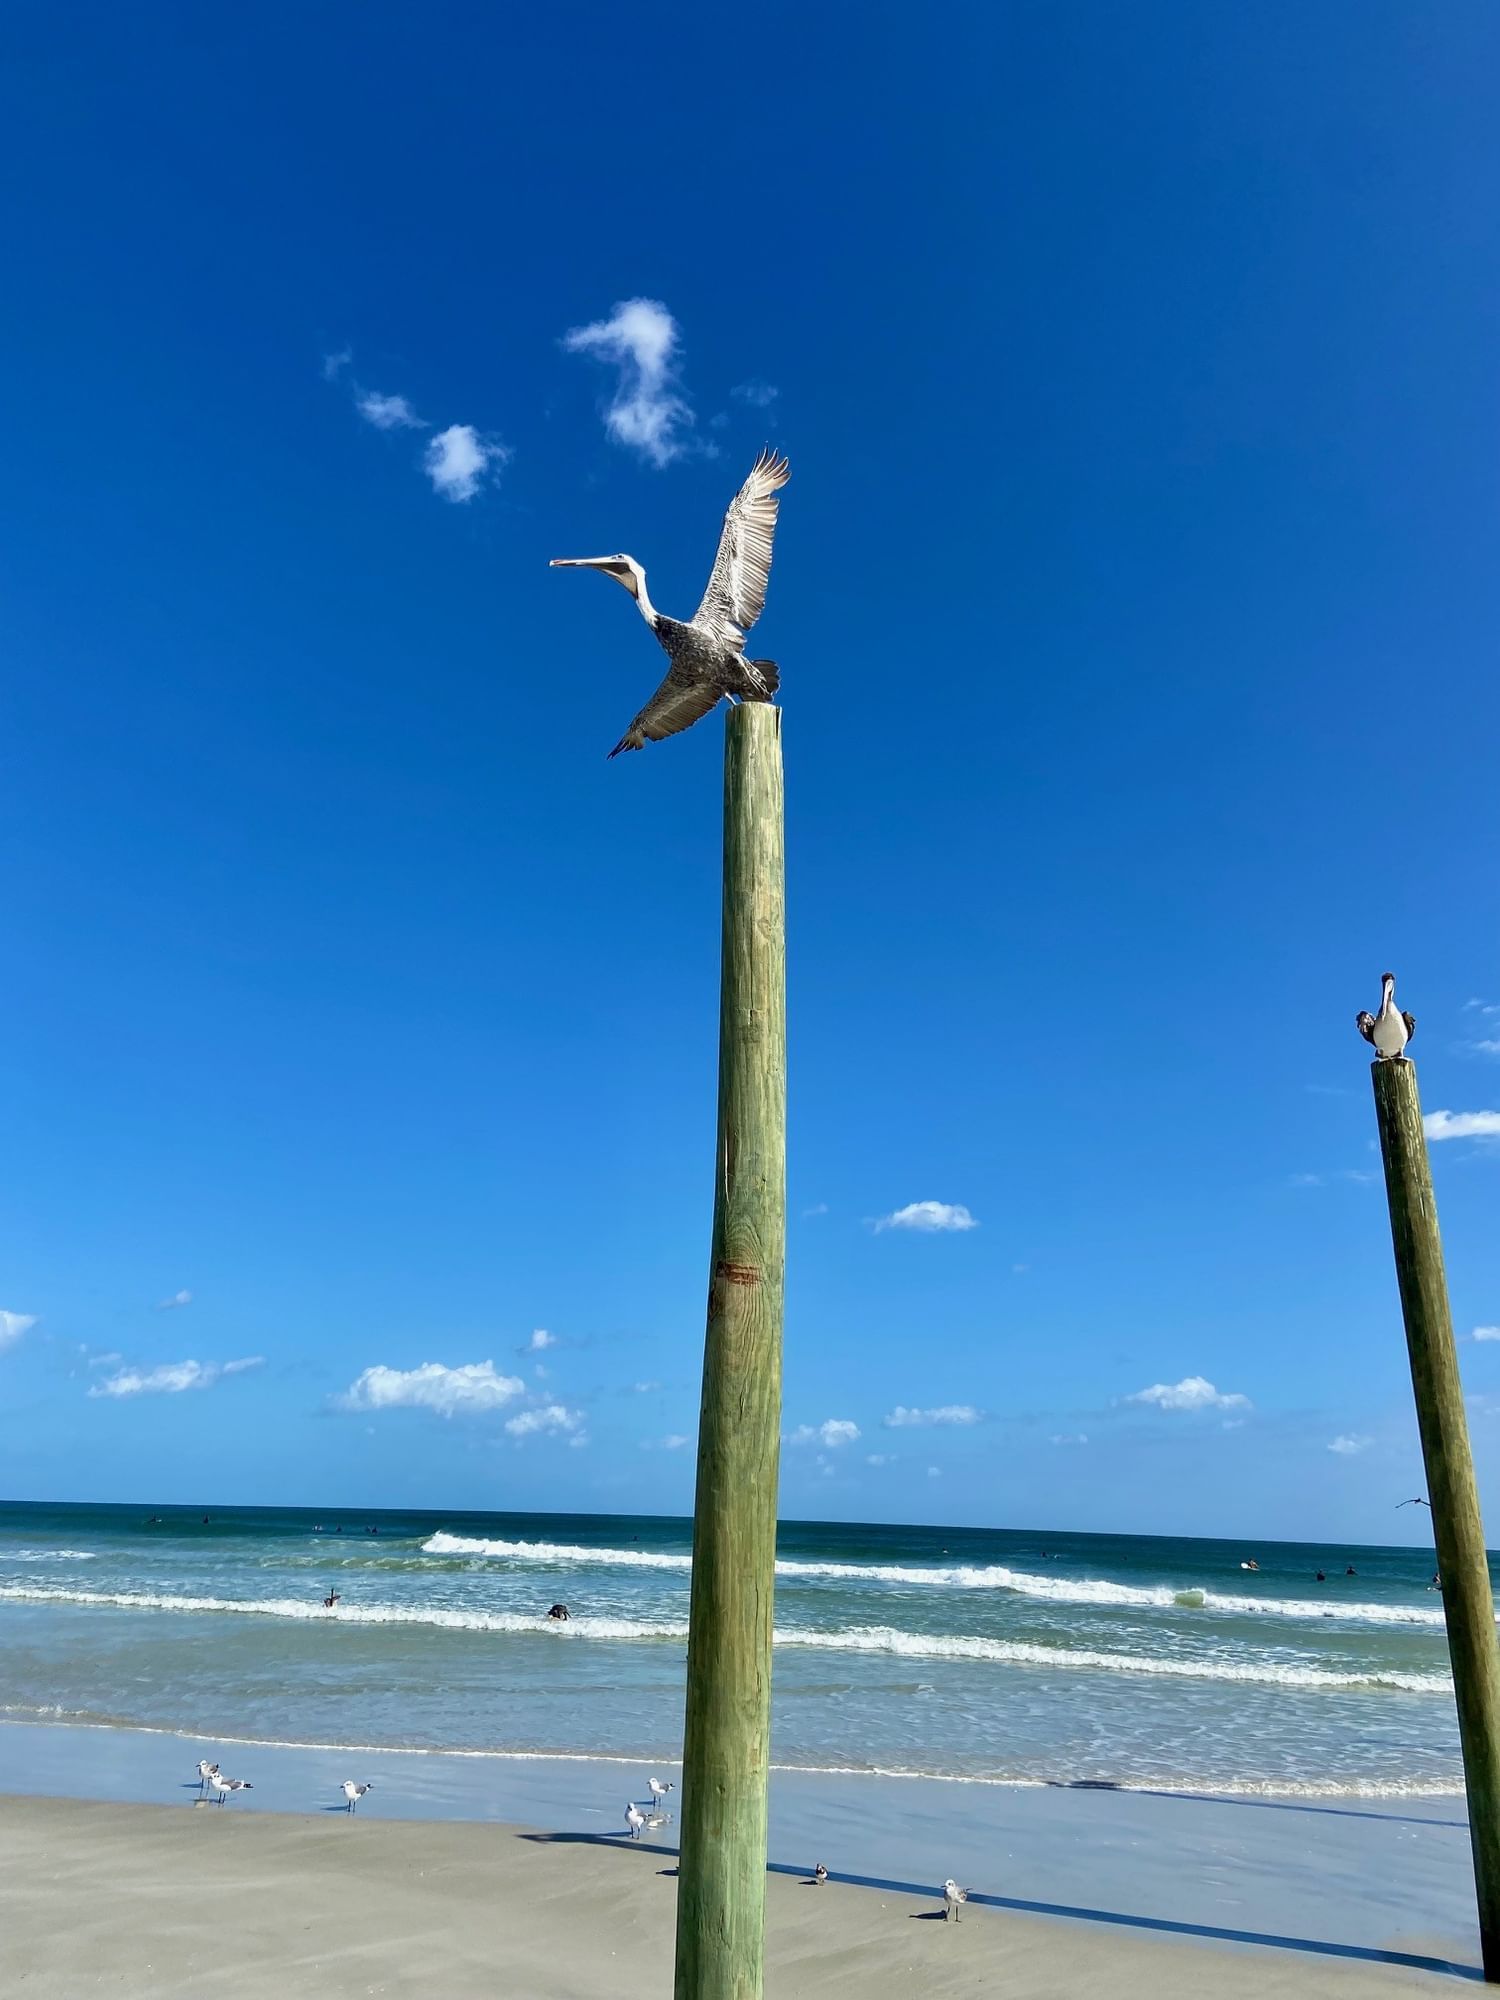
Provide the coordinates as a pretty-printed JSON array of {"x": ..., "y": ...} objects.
[
  {"x": 551, "y": 1419},
  {"x": 901, "y": 1418},
  {"x": 928, "y": 1216},
  {"x": 472, "y": 1387},
  {"x": 1462, "y": 1125},
  {"x": 13, "y": 1325},
  {"x": 173, "y": 1377},
  {"x": 1193, "y": 1392},
  {"x": 647, "y": 413},
  {"x": 833, "y": 1431}
]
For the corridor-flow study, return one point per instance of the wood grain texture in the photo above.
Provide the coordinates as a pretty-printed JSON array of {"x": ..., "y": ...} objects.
[
  {"x": 726, "y": 1748},
  {"x": 1458, "y": 1531}
]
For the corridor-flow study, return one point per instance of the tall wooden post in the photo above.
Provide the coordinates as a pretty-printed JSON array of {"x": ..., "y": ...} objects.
[
  {"x": 726, "y": 1751},
  {"x": 1463, "y": 1562}
]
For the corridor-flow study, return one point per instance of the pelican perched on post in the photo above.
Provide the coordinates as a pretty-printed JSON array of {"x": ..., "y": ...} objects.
[
  {"x": 1388, "y": 1031},
  {"x": 708, "y": 651}
]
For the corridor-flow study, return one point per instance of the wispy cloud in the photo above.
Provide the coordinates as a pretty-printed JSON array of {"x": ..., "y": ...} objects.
[
  {"x": 1462, "y": 1125},
  {"x": 104, "y": 1360},
  {"x": 473, "y": 1387},
  {"x": 387, "y": 413},
  {"x": 934, "y": 1472},
  {"x": 833, "y": 1431},
  {"x": 881, "y": 1458},
  {"x": 551, "y": 1419},
  {"x": 1350, "y": 1445},
  {"x": 1485, "y": 1333},
  {"x": 647, "y": 412},
  {"x": 1359, "y": 1176},
  {"x": 173, "y": 1377},
  {"x": 901, "y": 1418},
  {"x": 1193, "y": 1392},
  {"x": 177, "y": 1299},
  {"x": 674, "y": 1441},
  {"x": 818, "y": 1208},
  {"x": 458, "y": 461},
  {"x": 540, "y": 1341},
  {"x": 759, "y": 395},
  {"x": 335, "y": 364},
  {"x": 644, "y": 1388},
  {"x": 13, "y": 1325},
  {"x": 928, "y": 1216},
  {"x": 1070, "y": 1437}
]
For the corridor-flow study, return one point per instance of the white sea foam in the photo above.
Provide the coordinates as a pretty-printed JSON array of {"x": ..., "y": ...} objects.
[
  {"x": 856, "y": 1639},
  {"x": 47, "y": 1555},
  {"x": 992, "y": 1576}
]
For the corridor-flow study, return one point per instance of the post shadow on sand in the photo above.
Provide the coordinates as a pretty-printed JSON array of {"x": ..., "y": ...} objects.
[{"x": 1075, "y": 1912}]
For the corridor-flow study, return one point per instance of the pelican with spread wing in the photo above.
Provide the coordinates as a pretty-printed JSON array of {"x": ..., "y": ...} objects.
[{"x": 708, "y": 651}]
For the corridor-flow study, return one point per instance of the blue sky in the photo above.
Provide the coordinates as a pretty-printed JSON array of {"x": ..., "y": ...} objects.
[{"x": 1134, "y": 599}]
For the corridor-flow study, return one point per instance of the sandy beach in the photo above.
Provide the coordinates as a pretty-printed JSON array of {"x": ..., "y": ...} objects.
[{"x": 137, "y": 1899}]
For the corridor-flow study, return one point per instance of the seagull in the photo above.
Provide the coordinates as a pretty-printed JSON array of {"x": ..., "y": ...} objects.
[
  {"x": 352, "y": 1793},
  {"x": 658, "y": 1790},
  {"x": 952, "y": 1897},
  {"x": 1417, "y": 1501},
  {"x": 820, "y": 1874},
  {"x": 635, "y": 1819},
  {"x": 225, "y": 1786},
  {"x": 205, "y": 1772},
  {"x": 708, "y": 650},
  {"x": 1388, "y": 1031}
]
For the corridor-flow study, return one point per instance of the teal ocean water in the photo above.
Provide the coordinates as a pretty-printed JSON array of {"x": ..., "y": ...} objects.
[{"x": 948, "y": 1652}]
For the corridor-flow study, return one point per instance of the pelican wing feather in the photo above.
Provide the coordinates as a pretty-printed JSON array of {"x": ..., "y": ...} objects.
[
  {"x": 736, "y": 593},
  {"x": 682, "y": 699}
]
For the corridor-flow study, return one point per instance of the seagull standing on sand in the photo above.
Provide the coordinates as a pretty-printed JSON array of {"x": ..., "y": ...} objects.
[
  {"x": 658, "y": 1790},
  {"x": 820, "y": 1874},
  {"x": 952, "y": 1897},
  {"x": 352, "y": 1793},
  {"x": 205, "y": 1772},
  {"x": 635, "y": 1819},
  {"x": 707, "y": 651},
  {"x": 226, "y": 1786},
  {"x": 1388, "y": 1031}
]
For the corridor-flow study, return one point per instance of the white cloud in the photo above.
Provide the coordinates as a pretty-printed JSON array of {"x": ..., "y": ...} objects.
[
  {"x": 646, "y": 413},
  {"x": 929, "y": 1215},
  {"x": 1347, "y": 1446},
  {"x": 759, "y": 395},
  {"x": 104, "y": 1360},
  {"x": 674, "y": 1441},
  {"x": 13, "y": 1325},
  {"x": 387, "y": 413},
  {"x": 934, "y": 1472},
  {"x": 644, "y": 1388},
  {"x": 1487, "y": 1047},
  {"x": 1070, "y": 1437},
  {"x": 1193, "y": 1392},
  {"x": 833, "y": 1431},
  {"x": 550, "y": 1418},
  {"x": 881, "y": 1458},
  {"x": 474, "y": 1386},
  {"x": 540, "y": 1341},
  {"x": 902, "y": 1418},
  {"x": 173, "y": 1377},
  {"x": 1485, "y": 1333},
  {"x": 1462, "y": 1124},
  {"x": 818, "y": 1208},
  {"x": 335, "y": 364},
  {"x": 177, "y": 1299},
  {"x": 458, "y": 459}
]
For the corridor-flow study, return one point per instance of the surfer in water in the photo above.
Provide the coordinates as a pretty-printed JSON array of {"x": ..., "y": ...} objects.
[{"x": 1252, "y": 1564}]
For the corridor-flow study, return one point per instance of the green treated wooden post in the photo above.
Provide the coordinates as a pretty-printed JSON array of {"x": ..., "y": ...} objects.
[
  {"x": 726, "y": 1749},
  {"x": 1463, "y": 1562}
]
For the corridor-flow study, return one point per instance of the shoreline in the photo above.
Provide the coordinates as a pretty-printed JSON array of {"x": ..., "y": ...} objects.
[{"x": 1385, "y": 1884}]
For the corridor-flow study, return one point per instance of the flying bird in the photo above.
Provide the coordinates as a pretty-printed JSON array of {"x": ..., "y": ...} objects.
[
  {"x": 952, "y": 1897},
  {"x": 658, "y": 1790},
  {"x": 353, "y": 1793},
  {"x": 1417, "y": 1501},
  {"x": 635, "y": 1819},
  {"x": 1388, "y": 1031},
  {"x": 708, "y": 651}
]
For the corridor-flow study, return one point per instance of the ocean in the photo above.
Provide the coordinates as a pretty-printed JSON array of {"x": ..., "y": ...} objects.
[{"x": 958, "y": 1653}]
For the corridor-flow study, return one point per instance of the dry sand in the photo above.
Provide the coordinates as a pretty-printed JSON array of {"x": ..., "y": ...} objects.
[{"x": 165, "y": 1900}]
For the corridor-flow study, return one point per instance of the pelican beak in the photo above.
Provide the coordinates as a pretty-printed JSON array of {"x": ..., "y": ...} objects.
[{"x": 578, "y": 562}]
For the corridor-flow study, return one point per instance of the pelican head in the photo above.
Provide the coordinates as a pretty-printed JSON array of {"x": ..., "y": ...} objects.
[
  {"x": 1387, "y": 982},
  {"x": 624, "y": 569}
]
